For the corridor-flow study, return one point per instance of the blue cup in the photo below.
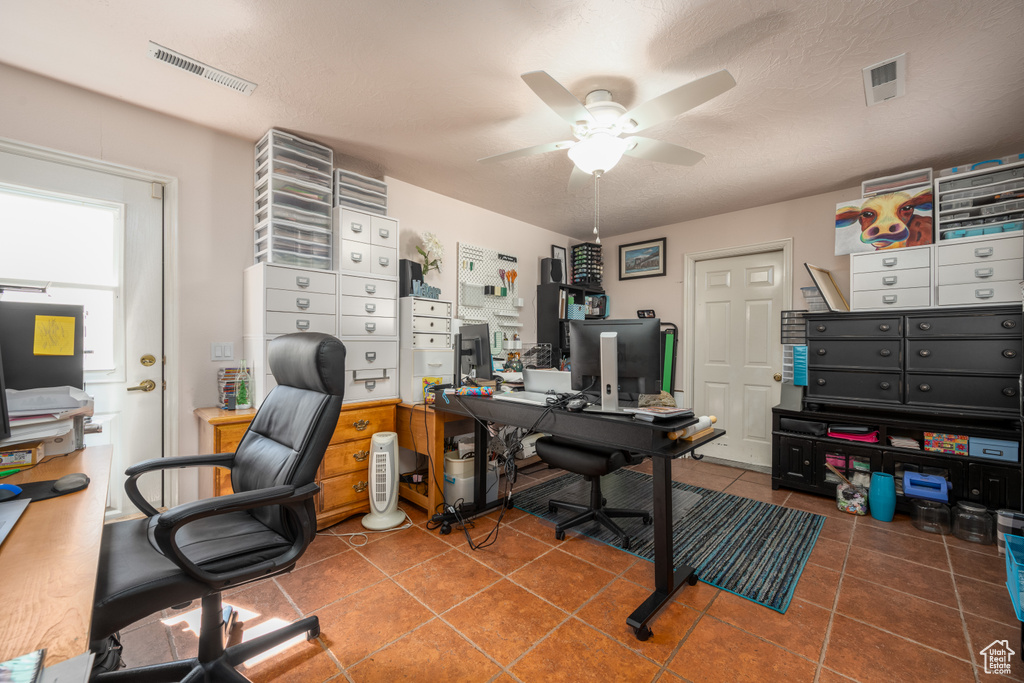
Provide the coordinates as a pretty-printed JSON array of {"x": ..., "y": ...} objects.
[{"x": 882, "y": 496}]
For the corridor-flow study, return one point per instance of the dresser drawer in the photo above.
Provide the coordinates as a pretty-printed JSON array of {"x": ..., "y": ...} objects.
[
  {"x": 383, "y": 261},
  {"x": 366, "y": 326},
  {"x": 289, "y": 301},
  {"x": 913, "y": 297},
  {"x": 355, "y": 256},
  {"x": 440, "y": 309},
  {"x": 990, "y": 356},
  {"x": 980, "y": 251},
  {"x": 368, "y": 286},
  {"x": 366, "y": 355},
  {"x": 384, "y": 231},
  {"x": 1007, "y": 291},
  {"x": 285, "y": 323},
  {"x": 891, "y": 259},
  {"x": 432, "y": 362},
  {"x": 979, "y": 273},
  {"x": 423, "y": 324},
  {"x": 367, "y": 305},
  {"x": 344, "y": 490},
  {"x": 965, "y": 325},
  {"x": 881, "y": 354},
  {"x": 324, "y": 282},
  {"x": 878, "y": 387},
  {"x": 354, "y": 226},
  {"x": 882, "y": 328},
  {"x": 426, "y": 340},
  {"x": 362, "y": 423},
  {"x": 913, "y": 277},
  {"x": 351, "y": 456},
  {"x": 957, "y": 391},
  {"x": 369, "y": 385}
]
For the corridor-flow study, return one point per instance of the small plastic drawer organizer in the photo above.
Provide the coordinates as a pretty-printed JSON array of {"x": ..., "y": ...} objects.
[
  {"x": 293, "y": 199},
  {"x": 355, "y": 191},
  {"x": 987, "y": 201},
  {"x": 587, "y": 264}
]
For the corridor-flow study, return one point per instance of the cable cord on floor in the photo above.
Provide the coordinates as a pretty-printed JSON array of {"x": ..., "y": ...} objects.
[{"x": 350, "y": 538}]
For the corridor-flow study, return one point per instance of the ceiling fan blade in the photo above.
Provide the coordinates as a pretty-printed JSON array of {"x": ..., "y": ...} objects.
[
  {"x": 554, "y": 94},
  {"x": 579, "y": 180},
  {"x": 682, "y": 99},
  {"x": 527, "y": 151},
  {"x": 665, "y": 152}
]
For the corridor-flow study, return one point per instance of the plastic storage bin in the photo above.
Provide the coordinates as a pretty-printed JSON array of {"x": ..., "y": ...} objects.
[
  {"x": 1014, "y": 567},
  {"x": 927, "y": 515},
  {"x": 971, "y": 522},
  {"x": 994, "y": 449}
]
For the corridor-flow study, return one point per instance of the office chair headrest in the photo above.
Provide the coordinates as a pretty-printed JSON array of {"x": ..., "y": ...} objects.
[{"x": 309, "y": 360}]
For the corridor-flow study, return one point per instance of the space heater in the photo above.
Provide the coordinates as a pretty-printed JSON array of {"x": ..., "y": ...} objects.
[{"x": 384, "y": 512}]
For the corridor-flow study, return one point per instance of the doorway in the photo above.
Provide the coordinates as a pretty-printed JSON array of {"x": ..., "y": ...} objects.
[
  {"x": 93, "y": 234},
  {"x": 733, "y": 302}
]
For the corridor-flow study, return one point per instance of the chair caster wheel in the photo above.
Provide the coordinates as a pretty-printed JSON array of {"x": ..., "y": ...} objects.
[
  {"x": 446, "y": 529},
  {"x": 647, "y": 520},
  {"x": 313, "y": 633},
  {"x": 643, "y": 633},
  {"x": 625, "y": 544},
  {"x": 559, "y": 535},
  {"x": 692, "y": 579}
]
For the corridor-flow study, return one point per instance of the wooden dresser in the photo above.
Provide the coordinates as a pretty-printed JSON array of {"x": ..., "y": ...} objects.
[{"x": 343, "y": 476}]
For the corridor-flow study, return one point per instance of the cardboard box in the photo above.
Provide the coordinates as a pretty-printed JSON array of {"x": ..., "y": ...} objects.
[
  {"x": 954, "y": 444},
  {"x": 21, "y": 455}
]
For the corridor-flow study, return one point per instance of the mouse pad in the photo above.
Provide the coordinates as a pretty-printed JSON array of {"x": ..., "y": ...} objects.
[{"x": 41, "y": 490}]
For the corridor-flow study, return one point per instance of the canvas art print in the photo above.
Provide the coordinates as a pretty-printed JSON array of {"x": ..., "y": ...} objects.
[
  {"x": 642, "y": 259},
  {"x": 885, "y": 221}
]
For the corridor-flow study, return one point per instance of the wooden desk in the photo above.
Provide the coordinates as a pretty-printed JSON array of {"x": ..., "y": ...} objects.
[
  {"x": 49, "y": 561},
  {"x": 422, "y": 429}
]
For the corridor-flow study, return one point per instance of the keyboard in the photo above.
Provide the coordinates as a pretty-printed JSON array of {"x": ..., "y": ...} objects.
[{"x": 533, "y": 397}]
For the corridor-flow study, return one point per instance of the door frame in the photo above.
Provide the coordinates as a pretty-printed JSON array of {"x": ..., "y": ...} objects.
[
  {"x": 690, "y": 261},
  {"x": 169, "y": 185}
]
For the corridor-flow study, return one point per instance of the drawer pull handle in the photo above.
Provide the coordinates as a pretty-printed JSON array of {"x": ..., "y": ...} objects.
[
  {"x": 885, "y": 353},
  {"x": 821, "y": 382},
  {"x": 360, "y": 486},
  {"x": 1009, "y": 353},
  {"x": 883, "y": 327},
  {"x": 991, "y": 451},
  {"x": 356, "y": 227},
  {"x": 384, "y": 233},
  {"x": 821, "y": 328},
  {"x": 370, "y": 384},
  {"x": 822, "y": 352},
  {"x": 361, "y": 456},
  {"x": 884, "y": 386},
  {"x": 356, "y": 256},
  {"x": 371, "y": 356},
  {"x": 925, "y": 387},
  {"x": 889, "y": 280},
  {"x": 302, "y": 303},
  {"x": 370, "y": 308},
  {"x": 983, "y": 252},
  {"x": 371, "y": 289},
  {"x": 434, "y": 365},
  {"x": 384, "y": 261},
  {"x": 361, "y": 425},
  {"x": 984, "y": 293},
  {"x": 1009, "y": 324},
  {"x": 302, "y": 325},
  {"x": 370, "y": 327},
  {"x": 984, "y": 272},
  {"x": 889, "y": 298},
  {"x": 924, "y": 353},
  {"x": 925, "y": 326},
  {"x": 807, "y": 462},
  {"x": 302, "y": 281},
  {"x": 889, "y": 262},
  {"x": 1009, "y": 391}
]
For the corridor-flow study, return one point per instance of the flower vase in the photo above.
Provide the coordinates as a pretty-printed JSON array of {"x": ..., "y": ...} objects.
[{"x": 882, "y": 496}]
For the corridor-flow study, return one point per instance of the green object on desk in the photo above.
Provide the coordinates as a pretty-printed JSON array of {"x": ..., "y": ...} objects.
[{"x": 6, "y": 473}]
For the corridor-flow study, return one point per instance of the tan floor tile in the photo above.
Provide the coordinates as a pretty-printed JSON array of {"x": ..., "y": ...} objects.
[
  {"x": 984, "y": 599},
  {"x": 402, "y": 550},
  {"x": 147, "y": 644},
  {"x": 704, "y": 467},
  {"x": 867, "y": 654},
  {"x": 433, "y": 652},
  {"x": 368, "y": 620},
  {"x": 697, "y": 597},
  {"x": 504, "y": 620},
  {"x": 511, "y": 551},
  {"x": 801, "y": 629},
  {"x": 818, "y": 585},
  {"x": 838, "y": 529},
  {"x": 612, "y": 558},
  {"x": 914, "y": 549},
  {"x": 983, "y": 632},
  {"x": 608, "y": 613},
  {"x": 900, "y": 524},
  {"x": 576, "y": 653},
  {"x": 916, "y": 579},
  {"x": 829, "y": 676},
  {"x": 305, "y": 662},
  {"x": 821, "y": 505},
  {"x": 718, "y": 652},
  {"x": 762, "y": 478},
  {"x": 829, "y": 554},
  {"x": 981, "y": 566},
  {"x": 322, "y": 583},
  {"x": 322, "y": 547},
  {"x": 754, "y": 491},
  {"x": 536, "y": 527},
  {"x": 446, "y": 580},
  {"x": 562, "y": 579},
  {"x": 954, "y": 542}
]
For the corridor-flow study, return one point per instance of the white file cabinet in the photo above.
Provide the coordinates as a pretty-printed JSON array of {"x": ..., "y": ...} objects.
[
  {"x": 893, "y": 278},
  {"x": 980, "y": 271},
  {"x": 426, "y": 344},
  {"x": 279, "y": 300}
]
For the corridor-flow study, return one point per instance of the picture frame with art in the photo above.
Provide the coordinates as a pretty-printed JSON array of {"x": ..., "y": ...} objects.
[
  {"x": 828, "y": 288},
  {"x": 561, "y": 254},
  {"x": 642, "y": 259}
]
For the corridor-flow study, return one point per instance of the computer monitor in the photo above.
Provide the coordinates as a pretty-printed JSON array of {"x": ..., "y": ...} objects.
[
  {"x": 473, "y": 349},
  {"x": 42, "y": 347},
  {"x": 614, "y": 357},
  {"x": 5, "y": 418}
]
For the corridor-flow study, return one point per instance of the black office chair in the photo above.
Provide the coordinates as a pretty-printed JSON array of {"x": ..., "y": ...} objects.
[
  {"x": 592, "y": 462},
  {"x": 198, "y": 549}
]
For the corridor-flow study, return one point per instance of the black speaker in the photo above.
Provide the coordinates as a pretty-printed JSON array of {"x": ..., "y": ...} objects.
[
  {"x": 407, "y": 272},
  {"x": 550, "y": 270}
]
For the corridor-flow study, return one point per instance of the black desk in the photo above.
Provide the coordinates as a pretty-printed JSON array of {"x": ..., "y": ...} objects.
[{"x": 635, "y": 436}]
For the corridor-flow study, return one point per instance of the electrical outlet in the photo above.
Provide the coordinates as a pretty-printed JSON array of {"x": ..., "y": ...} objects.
[{"x": 221, "y": 351}]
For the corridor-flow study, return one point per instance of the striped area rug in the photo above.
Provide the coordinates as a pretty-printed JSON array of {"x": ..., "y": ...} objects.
[{"x": 753, "y": 549}]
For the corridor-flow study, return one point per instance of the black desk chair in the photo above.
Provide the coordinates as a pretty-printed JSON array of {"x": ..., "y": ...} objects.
[
  {"x": 198, "y": 549},
  {"x": 592, "y": 462}
]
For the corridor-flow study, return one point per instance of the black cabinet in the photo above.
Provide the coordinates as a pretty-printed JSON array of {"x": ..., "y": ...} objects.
[
  {"x": 552, "y": 324},
  {"x": 993, "y": 486},
  {"x": 794, "y": 460}
]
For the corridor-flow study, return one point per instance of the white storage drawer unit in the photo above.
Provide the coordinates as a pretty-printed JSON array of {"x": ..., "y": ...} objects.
[
  {"x": 370, "y": 385},
  {"x": 426, "y": 344},
  {"x": 366, "y": 305},
  {"x": 980, "y": 271},
  {"x": 891, "y": 259},
  {"x": 893, "y": 278},
  {"x": 291, "y": 301},
  {"x": 368, "y": 355},
  {"x": 366, "y": 326},
  {"x": 354, "y": 285}
]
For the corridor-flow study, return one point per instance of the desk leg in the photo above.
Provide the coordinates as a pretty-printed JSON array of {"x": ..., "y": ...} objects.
[
  {"x": 666, "y": 580},
  {"x": 480, "y": 505}
]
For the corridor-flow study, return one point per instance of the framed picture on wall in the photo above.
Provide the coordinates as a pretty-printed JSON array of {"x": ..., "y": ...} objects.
[
  {"x": 559, "y": 253},
  {"x": 642, "y": 259}
]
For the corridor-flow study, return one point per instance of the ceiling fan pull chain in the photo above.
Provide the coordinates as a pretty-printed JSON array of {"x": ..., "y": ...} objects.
[{"x": 597, "y": 206}]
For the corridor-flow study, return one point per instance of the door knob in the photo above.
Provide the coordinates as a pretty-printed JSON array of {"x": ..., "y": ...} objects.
[
  {"x": 777, "y": 377},
  {"x": 145, "y": 385}
]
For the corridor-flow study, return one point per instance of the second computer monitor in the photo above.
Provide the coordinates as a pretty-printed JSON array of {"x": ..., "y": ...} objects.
[
  {"x": 475, "y": 351},
  {"x": 639, "y": 355}
]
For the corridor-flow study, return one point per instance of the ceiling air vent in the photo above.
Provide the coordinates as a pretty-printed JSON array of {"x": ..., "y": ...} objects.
[
  {"x": 886, "y": 80},
  {"x": 180, "y": 61}
]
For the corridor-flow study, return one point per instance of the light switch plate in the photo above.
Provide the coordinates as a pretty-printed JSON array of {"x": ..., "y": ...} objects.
[{"x": 220, "y": 351}]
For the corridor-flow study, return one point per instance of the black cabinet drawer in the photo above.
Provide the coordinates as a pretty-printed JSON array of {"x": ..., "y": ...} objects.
[
  {"x": 965, "y": 325},
  {"x": 881, "y": 354},
  {"x": 995, "y": 487},
  {"x": 991, "y": 356},
  {"x": 880, "y": 387},
  {"x": 883, "y": 327},
  {"x": 963, "y": 391}
]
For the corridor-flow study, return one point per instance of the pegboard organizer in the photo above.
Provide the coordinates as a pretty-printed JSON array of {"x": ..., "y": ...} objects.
[{"x": 479, "y": 270}]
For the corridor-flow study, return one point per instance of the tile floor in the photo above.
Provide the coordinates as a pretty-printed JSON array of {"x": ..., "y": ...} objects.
[{"x": 877, "y": 602}]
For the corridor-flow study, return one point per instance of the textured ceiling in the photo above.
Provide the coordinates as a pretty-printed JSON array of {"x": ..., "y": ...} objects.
[{"x": 420, "y": 90}]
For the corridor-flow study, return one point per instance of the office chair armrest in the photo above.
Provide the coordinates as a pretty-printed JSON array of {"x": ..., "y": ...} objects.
[
  {"x": 131, "y": 485},
  {"x": 292, "y": 500}
]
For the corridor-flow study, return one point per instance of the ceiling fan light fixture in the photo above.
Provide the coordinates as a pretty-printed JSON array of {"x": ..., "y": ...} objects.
[{"x": 599, "y": 151}]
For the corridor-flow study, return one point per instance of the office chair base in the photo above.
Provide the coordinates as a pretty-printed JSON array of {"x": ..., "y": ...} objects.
[{"x": 601, "y": 515}]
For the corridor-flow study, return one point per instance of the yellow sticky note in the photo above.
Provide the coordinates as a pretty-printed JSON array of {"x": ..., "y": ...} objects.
[{"x": 54, "y": 336}]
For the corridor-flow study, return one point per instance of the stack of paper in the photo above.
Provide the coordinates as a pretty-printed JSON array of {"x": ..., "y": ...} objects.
[
  {"x": 50, "y": 415},
  {"x": 904, "y": 442}
]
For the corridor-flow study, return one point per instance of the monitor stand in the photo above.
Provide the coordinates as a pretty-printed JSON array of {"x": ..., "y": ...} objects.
[{"x": 609, "y": 377}]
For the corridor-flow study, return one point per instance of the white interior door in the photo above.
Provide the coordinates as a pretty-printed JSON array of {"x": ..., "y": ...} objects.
[
  {"x": 737, "y": 351},
  {"x": 97, "y": 238}
]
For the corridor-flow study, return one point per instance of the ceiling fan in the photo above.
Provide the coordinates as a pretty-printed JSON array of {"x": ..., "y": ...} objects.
[{"x": 604, "y": 130}]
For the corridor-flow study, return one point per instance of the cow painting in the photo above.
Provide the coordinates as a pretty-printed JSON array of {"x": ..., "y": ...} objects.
[{"x": 886, "y": 221}]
